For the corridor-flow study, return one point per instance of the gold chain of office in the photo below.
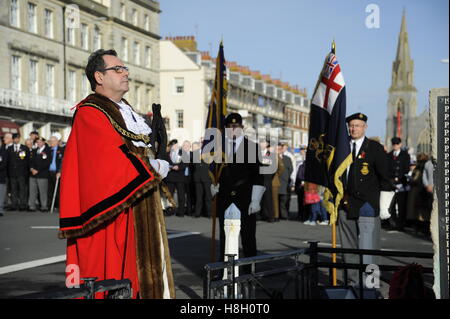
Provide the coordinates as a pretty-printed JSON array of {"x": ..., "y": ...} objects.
[{"x": 135, "y": 137}]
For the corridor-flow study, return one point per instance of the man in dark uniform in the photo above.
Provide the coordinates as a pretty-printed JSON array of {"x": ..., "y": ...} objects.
[
  {"x": 240, "y": 183},
  {"x": 399, "y": 167},
  {"x": 202, "y": 182},
  {"x": 18, "y": 172},
  {"x": 368, "y": 193},
  {"x": 40, "y": 160},
  {"x": 3, "y": 165}
]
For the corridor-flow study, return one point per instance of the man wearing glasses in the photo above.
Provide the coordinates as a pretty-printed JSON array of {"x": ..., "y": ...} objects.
[
  {"x": 368, "y": 192},
  {"x": 110, "y": 207}
]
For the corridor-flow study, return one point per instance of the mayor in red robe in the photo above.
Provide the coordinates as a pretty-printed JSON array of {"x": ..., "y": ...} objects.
[{"x": 110, "y": 205}]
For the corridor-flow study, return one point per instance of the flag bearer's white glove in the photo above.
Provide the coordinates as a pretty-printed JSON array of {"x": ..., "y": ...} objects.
[
  {"x": 257, "y": 194},
  {"x": 385, "y": 203},
  {"x": 214, "y": 189},
  {"x": 161, "y": 166}
]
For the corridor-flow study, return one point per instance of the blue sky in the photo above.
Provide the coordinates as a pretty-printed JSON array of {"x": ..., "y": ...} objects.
[{"x": 290, "y": 39}]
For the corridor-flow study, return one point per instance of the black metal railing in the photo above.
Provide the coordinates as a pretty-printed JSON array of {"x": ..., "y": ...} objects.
[
  {"x": 314, "y": 250},
  {"x": 304, "y": 276},
  {"x": 116, "y": 289},
  {"x": 247, "y": 283}
]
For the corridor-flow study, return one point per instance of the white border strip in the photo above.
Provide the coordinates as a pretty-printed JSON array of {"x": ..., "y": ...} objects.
[
  {"x": 57, "y": 259},
  {"x": 44, "y": 227},
  {"x": 32, "y": 264},
  {"x": 183, "y": 234}
]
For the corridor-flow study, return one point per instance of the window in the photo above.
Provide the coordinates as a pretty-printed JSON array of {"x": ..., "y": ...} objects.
[
  {"x": 124, "y": 49},
  {"x": 71, "y": 34},
  {"x": 97, "y": 38},
  {"x": 33, "y": 77},
  {"x": 134, "y": 17},
  {"x": 136, "y": 53},
  {"x": 14, "y": 13},
  {"x": 32, "y": 24},
  {"x": 146, "y": 22},
  {"x": 71, "y": 86},
  {"x": 179, "y": 85},
  {"x": 149, "y": 98},
  {"x": 48, "y": 23},
  {"x": 179, "y": 118},
  {"x": 148, "y": 57},
  {"x": 122, "y": 11},
  {"x": 50, "y": 80},
  {"x": 84, "y": 36},
  {"x": 138, "y": 97},
  {"x": 84, "y": 87},
  {"x": 15, "y": 73}
]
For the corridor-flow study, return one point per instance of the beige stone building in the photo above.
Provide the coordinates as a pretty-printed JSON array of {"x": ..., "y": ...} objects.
[{"x": 44, "y": 49}]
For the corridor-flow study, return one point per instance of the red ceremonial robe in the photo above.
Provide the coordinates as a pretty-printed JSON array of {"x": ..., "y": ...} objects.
[{"x": 109, "y": 209}]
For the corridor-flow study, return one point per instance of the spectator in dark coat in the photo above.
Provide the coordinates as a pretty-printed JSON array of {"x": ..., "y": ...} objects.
[
  {"x": 299, "y": 190},
  {"x": 7, "y": 141},
  {"x": 186, "y": 159},
  {"x": 176, "y": 178},
  {"x": 3, "y": 165},
  {"x": 284, "y": 182},
  {"x": 202, "y": 183},
  {"x": 18, "y": 172},
  {"x": 40, "y": 161}
]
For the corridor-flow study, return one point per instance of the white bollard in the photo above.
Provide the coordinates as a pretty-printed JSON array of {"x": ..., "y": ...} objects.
[{"x": 232, "y": 228}]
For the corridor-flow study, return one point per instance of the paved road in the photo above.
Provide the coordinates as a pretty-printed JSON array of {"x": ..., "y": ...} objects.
[{"x": 32, "y": 257}]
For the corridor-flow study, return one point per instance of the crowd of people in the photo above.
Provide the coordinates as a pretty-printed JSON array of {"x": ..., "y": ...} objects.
[
  {"x": 413, "y": 200},
  {"x": 29, "y": 172},
  {"x": 189, "y": 181}
]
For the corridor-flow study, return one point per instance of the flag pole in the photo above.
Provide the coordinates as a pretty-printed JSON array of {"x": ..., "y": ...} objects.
[
  {"x": 333, "y": 226},
  {"x": 218, "y": 83},
  {"x": 213, "y": 231}
]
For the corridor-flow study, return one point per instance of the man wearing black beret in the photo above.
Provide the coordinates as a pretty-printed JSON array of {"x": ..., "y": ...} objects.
[
  {"x": 241, "y": 184},
  {"x": 399, "y": 167},
  {"x": 368, "y": 192}
]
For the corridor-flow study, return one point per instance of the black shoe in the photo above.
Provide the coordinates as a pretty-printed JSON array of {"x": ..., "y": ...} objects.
[
  {"x": 1, "y": 214},
  {"x": 31, "y": 210},
  {"x": 180, "y": 215}
]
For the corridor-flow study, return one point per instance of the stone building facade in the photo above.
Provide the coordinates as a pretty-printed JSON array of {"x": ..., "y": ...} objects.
[{"x": 44, "y": 49}]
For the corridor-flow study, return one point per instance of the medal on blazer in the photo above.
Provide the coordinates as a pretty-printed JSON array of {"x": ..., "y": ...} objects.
[
  {"x": 22, "y": 155},
  {"x": 365, "y": 168},
  {"x": 44, "y": 156}
]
